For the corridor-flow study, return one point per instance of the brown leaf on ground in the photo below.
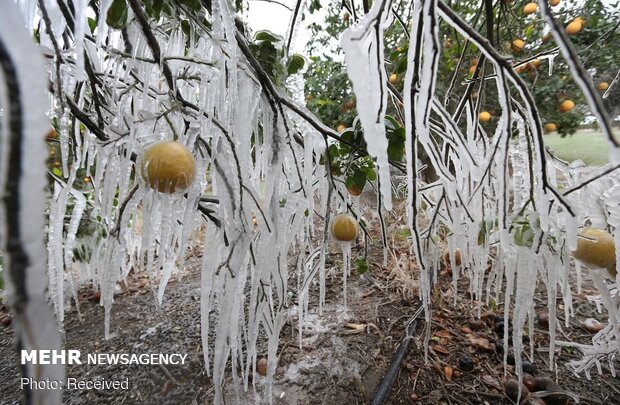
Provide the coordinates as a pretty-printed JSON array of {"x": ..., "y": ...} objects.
[
  {"x": 444, "y": 334},
  {"x": 447, "y": 372},
  {"x": 465, "y": 329},
  {"x": 441, "y": 349},
  {"x": 592, "y": 325},
  {"x": 479, "y": 342}
]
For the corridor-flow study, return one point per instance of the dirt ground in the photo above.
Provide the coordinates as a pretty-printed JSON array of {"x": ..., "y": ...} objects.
[{"x": 343, "y": 357}]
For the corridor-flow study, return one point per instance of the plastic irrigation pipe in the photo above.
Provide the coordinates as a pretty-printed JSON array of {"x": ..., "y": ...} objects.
[{"x": 386, "y": 384}]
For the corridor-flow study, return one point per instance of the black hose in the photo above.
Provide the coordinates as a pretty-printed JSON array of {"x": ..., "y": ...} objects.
[{"x": 386, "y": 384}]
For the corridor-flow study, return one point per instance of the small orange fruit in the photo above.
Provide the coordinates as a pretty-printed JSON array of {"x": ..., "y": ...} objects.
[
  {"x": 596, "y": 248},
  {"x": 354, "y": 190},
  {"x": 602, "y": 86},
  {"x": 530, "y": 8},
  {"x": 261, "y": 366},
  {"x": 554, "y": 3},
  {"x": 168, "y": 166},
  {"x": 341, "y": 128},
  {"x": 344, "y": 228},
  {"x": 86, "y": 179},
  {"x": 472, "y": 70},
  {"x": 518, "y": 45},
  {"x": 574, "y": 27},
  {"x": 550, "y": 127},
  {"x": 535, "y": 64},
  {"x": 393, "y": 78},
  {"x": 567, "y": 105},
  {"x": 484, "y": 116}
]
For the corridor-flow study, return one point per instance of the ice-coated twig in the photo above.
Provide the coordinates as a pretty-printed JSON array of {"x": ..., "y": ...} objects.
[{"x": 22, "y": 209}]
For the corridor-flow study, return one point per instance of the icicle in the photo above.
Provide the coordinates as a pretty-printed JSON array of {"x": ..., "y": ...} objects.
[{"x": 363, "y": 47}]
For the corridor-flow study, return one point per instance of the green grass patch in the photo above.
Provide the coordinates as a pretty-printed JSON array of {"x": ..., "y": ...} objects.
[{"x": 587, "y": 145}]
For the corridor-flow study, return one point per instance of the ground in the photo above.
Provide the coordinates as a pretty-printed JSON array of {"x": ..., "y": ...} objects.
[
  {"x": 588, "y": 145},
  {"x": 344, "y": 354}
]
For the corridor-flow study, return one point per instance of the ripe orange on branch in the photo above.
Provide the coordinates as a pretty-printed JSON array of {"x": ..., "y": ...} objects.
[
  {"x": 551, "y": 127},
  {"x": 602, "y": 86},
  {"x": 574, "y": 27},
  {"x": 344, "y": 228},
  {"x": 518, "y": 45},
  {"x": 484, "y": 116},
  {"x": 566, "y": 106},
  {"x": 168, "y": 167},
  {"x": 596, "y": 248},
  {"x": 530, "y": 8},
  {"x": 393, "y": 78}
]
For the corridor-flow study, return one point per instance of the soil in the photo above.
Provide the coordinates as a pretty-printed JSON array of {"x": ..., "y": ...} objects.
[{"x": 343, "y": 356}]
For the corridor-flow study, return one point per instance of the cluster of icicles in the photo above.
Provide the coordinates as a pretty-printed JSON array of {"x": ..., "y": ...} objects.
[{"x": 249, "y": 168}]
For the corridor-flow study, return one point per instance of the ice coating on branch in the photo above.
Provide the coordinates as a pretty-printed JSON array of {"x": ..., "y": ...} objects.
[
  {"x": 23, "y": 127},
  {"x": 364, "y": 53}
]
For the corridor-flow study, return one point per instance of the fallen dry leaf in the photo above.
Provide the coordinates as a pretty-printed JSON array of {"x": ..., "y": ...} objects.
[
  {"x": 480, "y": 342},
  {"x": 444, "y": 334},
  {"x": 447, "y": 372},
  {"x": 465, "y": 329},
  {"x": 441, "y": 349},
  {"x": 354, "y": 328},
  {"x": 491, "y": 381},
  {"x": 592, "y": 325}
]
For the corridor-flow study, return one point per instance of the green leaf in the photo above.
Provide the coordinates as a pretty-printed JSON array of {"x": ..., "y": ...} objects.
[
  {"x": 117, "y": 14},
  {"x": 361, "y": 265},
  {"x": 371, "y": 174},
  {"x": 92, "y": 24},
  {"x": 295, "y": 64},
  {"x": 268, "y": 36},
  {"x": 314, "y": 5},
  {"x": 57, "y": 172}
]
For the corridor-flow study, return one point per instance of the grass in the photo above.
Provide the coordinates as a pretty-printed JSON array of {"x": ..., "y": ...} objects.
[{"x": 588, "y": 145}]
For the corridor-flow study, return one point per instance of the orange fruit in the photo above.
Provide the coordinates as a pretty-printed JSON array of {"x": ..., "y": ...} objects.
[
  {"x": 567, "y": 105},
  {"x": 261, "y": 366},
  {"x": 472, "y": 70},
  {"x": 344, "y": 228},
  {"x": 535, "y": 64},
  {"x": 602, "y": 86},
  {"x": 341, "y": 128},
  {"x": 554, "y": 3},
  {"x": 530, "y": 8},
  {"x": 518, "y": 45},
  {"x": 596, "y": 248},
  {"x": 573, "y": 28},
  {"x": 548, "y": 37},
  {"x": 51, "y": 134},
  {"x": 551, "y": 127},
  {"x": 86, "y": 179},
  {"x": 484, "y": 116},
  {"x": 168, "y": 166},
  {"x": 393, "y": 78},
  {"x": 354, "y": 190}
]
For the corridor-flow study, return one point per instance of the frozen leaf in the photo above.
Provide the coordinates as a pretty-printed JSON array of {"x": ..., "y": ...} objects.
[
  {"x": 295, "y": 64},
  {"x": 117, "y": 14}
]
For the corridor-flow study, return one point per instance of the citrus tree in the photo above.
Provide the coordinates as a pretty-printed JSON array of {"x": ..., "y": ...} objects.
[{"x": 182, "y": 118}]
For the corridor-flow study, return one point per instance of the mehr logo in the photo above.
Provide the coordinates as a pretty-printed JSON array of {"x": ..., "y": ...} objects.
[{"x": 51, "y": 357}]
